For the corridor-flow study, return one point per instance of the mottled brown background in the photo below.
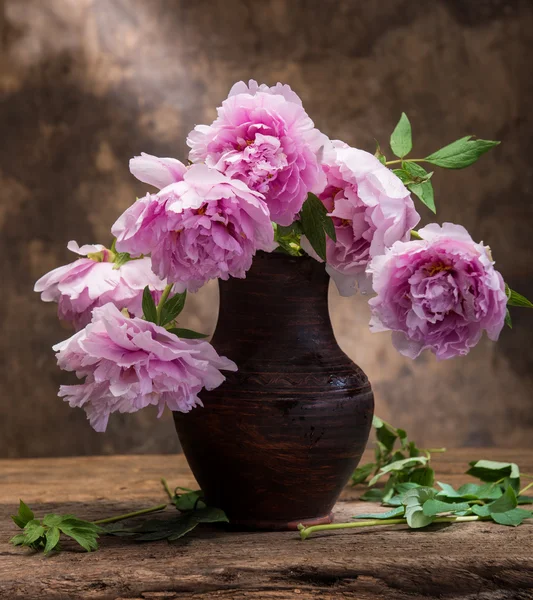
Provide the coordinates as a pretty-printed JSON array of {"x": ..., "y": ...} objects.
[{"x": 86, "y": 84}]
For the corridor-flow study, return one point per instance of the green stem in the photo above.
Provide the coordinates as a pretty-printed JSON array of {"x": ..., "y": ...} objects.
[
  {"x": 401, "y": 160},
  {"x": 166, "y": 488},
  {"x": 162, "y": 301},
  {"x": 432, "y": 450},
  {"x": 137, "y": 513},
  {"x": 305, "y": 532},
  {"x": 523, "y": 490},
  {"x": 526, "y": 475}
]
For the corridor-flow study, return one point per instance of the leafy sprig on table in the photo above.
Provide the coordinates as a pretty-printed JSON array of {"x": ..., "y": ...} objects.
[
  {"x": 45, "y": 535},
  {"x": 496, "y": 498}
]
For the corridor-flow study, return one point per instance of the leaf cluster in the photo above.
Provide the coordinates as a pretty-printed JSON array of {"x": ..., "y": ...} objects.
[
  {"x": 193, "y": 512},
  {"x": 411, "y": 494},
  {"x": 288, "y": 238},
  {"x": 420, "y": 505},
  {"x": 404, "y": 465},
  {"x": 457, "y": 155},
  {"x": 45, "y": 535},
  {"x": 168, "y": 313}
]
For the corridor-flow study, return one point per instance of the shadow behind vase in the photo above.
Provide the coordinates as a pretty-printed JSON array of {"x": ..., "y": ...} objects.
[{"x": 275, "y": 444}]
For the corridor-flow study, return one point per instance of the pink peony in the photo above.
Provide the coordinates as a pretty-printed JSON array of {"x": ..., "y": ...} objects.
[
  {"x": 129, "y": 364},
  {"x": 203, "y": 227},
  {"x": 371, "y": 209},
  {"x": 94, "y": 281},
  {"x": 264, "y": 137},
  {"x": 440, "y": 293}
]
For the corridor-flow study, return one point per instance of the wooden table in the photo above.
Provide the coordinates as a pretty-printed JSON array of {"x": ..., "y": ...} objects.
[{"x": 467, "y": 561}]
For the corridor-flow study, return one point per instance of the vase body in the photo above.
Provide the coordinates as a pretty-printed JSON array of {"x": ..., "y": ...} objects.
[{"x": 276, "y": 443}]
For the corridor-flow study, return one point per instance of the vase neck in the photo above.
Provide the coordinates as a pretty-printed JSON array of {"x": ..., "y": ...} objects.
[{"x": 283, "y": 300}]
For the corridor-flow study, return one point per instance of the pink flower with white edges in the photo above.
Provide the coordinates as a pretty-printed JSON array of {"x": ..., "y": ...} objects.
[
  {"x": 130, "y": 363},
  {"x": 203, "y": 227},
  {"x": 371, "y": 209},
  {"x": 440, "y": 293},
  {"x": 88, "y": 282},
  {"x": 264, "y": 137}
]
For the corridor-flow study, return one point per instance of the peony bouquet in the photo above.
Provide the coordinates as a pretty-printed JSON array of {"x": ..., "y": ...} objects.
[{"x": 262, "y": 177}]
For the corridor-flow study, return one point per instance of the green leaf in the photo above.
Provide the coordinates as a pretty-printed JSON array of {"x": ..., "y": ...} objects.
[
  {"x": 516, "y": 299},
  {"x": 190, "y": 500},
  {"x": 416, "y": 518},
  {"x": 481, "y": 510},
  {"x": 506, "y": 502},
  {"x": 173, "y": 307},
  {"x": 18, "y": 540},
  {"x": 424, "y": 477},
  {"x": 461, "y": 153},
  {"x": 83, "y": 532},
  {"x": 210, "y": 514},
  {"x": 316, "y": 224},
  {"x": 417, "y": 173},
  {"x": 52, "y": 520},
  {"x": 379, "y": 154},
  {"x": 489, "y": 491},
  {"x": 187, "y": 334},
  {"x": 434, "y": 507},
  {"x": 32, "y": 532},
  {"x": 386, "y": 435},
  {"x": 525, "y": 499},
  {"x": 424, "y": 192},
  {"x": 52, "y": 539},
  {"x": 398, "y": 465},
  {"x": 23, "y": 516},
  {"x": 418, "y": 495},
  {"x": 405, "y": 486},
  {"x": 121, "y": 258},
  {"x": 361, "y": 473},
  {"x": 288, "y": 238},
  {"x": 413, "y": 501},
  {"x": 401, "y": 141},
  {"x": 149, "y": 308},
  {"x": 402, "y": 175},
  {"x": 372, "y": 495},
  {"x": 447, "y": 490},
  {"x": 508, "y": 320},
  {"x": 513, "y": 517},
  {"x": 469, "y": 491},
  {"x": 174, "y": 529},
  {"x": 395, "y": 512},
  {"x": 491, "y": 470}
]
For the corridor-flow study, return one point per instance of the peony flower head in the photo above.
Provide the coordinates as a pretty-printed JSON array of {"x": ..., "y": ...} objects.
[
  {"x": 440, "y": 292},
  {"x": 95, "y": 280},
  {"x": 371, "y": 209},
  {"x": 203, "y": 227},
  {"x": 264, "y": 137},
  {"x": 129, "y": 363}
]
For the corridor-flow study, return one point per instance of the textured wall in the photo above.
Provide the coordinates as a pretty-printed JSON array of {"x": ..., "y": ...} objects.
[{"x": 86, "y": 84}]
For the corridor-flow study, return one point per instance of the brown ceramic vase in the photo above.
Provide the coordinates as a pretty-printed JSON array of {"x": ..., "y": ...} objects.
[{"x": 276, "y": 443}]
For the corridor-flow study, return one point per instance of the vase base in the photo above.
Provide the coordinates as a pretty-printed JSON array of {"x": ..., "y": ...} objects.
[{"x": 280, "y": 525}]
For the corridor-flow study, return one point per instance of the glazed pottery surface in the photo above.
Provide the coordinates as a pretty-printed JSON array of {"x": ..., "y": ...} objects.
[{"x": 275, "y": 444}]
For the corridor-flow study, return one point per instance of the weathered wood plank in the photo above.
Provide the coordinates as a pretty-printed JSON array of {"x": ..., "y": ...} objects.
[{"x": 475, "y": 560}]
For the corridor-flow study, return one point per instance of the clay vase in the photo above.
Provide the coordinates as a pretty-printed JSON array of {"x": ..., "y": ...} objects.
[{"x": 276, "y": 443}]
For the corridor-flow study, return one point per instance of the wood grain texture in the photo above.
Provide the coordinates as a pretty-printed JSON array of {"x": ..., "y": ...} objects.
[
  {"x": 275, "y": 444},
  {"x": 479, "y": 561}
]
